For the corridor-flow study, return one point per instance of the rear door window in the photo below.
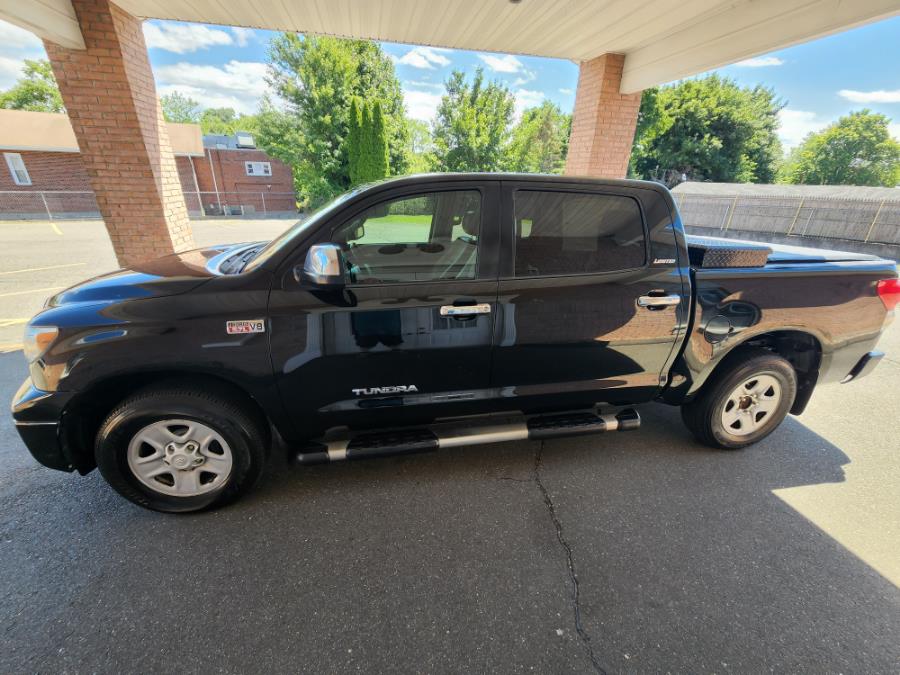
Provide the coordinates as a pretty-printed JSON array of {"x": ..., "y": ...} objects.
[{"x": 560, "y": 233}]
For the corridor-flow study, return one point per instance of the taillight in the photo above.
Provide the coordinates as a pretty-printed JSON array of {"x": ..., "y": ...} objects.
[{"x": 889, "y": 292}]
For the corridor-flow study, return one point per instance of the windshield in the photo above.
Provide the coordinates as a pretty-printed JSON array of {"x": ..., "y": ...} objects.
[{"x": 286, "y": 239}]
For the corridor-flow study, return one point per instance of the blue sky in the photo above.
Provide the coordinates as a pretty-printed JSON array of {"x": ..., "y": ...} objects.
[{"x": 221, "y": 66}]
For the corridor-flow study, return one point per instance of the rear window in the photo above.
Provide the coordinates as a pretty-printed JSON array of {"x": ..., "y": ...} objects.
[{"x": 575, "y": 233}]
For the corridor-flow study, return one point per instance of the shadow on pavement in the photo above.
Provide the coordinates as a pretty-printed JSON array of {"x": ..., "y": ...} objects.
[{"x": 450, "y": 562}]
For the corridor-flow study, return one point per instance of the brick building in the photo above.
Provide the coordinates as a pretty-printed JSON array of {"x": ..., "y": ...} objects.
[
  {"x": 234, "y": 177},
  {"x": 44, "y": 176}
]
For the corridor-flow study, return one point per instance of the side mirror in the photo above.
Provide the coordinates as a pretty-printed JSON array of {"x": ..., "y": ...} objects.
[{"x": 324, "y": 267}]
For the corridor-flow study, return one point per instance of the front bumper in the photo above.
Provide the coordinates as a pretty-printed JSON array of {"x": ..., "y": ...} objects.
[
  {"x": 38, "y": 416},
  {"x": 864, "y": 366}
]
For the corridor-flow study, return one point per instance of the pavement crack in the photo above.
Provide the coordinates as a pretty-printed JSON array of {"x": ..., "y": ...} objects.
[{"x": 570, "y": 563}]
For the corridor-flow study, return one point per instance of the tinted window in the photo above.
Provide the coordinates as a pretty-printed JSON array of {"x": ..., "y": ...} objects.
[
  {"x": 415, "y": 238},
  {"x": 576, "y": 233}
]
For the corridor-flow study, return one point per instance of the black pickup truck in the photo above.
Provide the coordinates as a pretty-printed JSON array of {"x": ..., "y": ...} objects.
[{"x": 435, "y": 311}]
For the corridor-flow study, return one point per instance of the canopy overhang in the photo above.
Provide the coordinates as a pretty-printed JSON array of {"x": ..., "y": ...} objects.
[{"x": 663, "y": 40}]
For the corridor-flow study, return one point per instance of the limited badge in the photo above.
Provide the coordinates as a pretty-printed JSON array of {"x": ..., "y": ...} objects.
[{"x": 249, "y": 326}]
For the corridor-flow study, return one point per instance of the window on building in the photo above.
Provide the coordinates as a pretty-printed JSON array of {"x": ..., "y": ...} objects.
[
  {"x": 244, "y": 140},
  {"x": 576, "y": 233},
  {"x": 258, "y": 168},
  {"x": 17, "y": 168}
]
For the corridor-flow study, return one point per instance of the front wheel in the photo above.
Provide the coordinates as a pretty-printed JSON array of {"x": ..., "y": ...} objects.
[
  {"x": 744, "y": 403},
  {"x": 176, "y": 449}
]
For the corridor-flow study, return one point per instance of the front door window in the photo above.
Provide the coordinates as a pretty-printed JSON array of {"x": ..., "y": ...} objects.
[{"x": 426, "y": 237}]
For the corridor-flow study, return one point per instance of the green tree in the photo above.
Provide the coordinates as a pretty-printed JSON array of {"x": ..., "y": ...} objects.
[
  {"x": 419, "y": 148},
  {"x": 226, "y": 121},
  {"x": 653, "y": 120},
  {"x": 378, "y": 144},
  {"x": 354, "y": 139},
  {"x": 539, "y": 141},
  {"x": 218, "y": 121},
  {"x": 177, "y": 107},
  {"x": 278, "y": 133},
  {"x": 855, "y": 150},
  {"x": 472, "y": 125},
  {"x": 318, "y": 77},
  {"x": 708, "y": 128},
  {"x": 35, "y": 90}
]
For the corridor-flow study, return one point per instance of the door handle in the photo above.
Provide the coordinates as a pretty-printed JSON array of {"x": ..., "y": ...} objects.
[
  {"x": 465, "y": 310},
  {"x": 651, "y": 301}
]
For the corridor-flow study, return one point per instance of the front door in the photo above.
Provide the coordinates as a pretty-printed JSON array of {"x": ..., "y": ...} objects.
[
  {"x": 411, "y": 332},
  {"x": 574, "y": 325}
]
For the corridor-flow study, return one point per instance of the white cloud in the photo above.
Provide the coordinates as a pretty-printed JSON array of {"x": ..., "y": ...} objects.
[
  {"x": 13, "y": 37},
  {"x": 10, "y": 71},
  {"x": 424, "y": 57},
  {"x": 183, "y": 38},
  {"x": 16, "y": 45},
  {"x": 760, "y": 62},
  {"x": 566, "y": 91},
  {"x": 502, "y": 64},
  {"x": 526, "y": 77},
  {"x": 526, "y": 98},
  {"x": 794, "y": 125},
  {"x": 242, "y": 35},
  {"x": 421, "y": 105},
  {"x": 879, "y": 96},
  {"x": 237, "y": 84},
  {"x": 424, "y": 85}
]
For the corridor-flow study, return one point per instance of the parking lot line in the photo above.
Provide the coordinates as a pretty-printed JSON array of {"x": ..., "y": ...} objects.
[
  {"x": 6, "y": 323},
  {"x": 56, "y": 229},
  {"x": 41, "y": 269},
  {"x": 35, "y": 290}
]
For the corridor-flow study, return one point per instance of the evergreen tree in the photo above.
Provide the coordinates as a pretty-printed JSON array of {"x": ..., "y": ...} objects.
[
  {"x": 379, "y": 144},
  {"x": 354, "y": 139}
]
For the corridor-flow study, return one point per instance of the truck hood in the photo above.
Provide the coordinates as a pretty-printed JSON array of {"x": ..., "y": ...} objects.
[{"x": 169, "y": 275}]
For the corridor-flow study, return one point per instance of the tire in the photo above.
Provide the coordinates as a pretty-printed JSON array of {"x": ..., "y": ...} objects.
[
  {"x": 744, "y": 402},
  {"x": 218, "y": 444}
]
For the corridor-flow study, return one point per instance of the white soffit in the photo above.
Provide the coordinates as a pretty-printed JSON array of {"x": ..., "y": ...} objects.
[
  {"x": 52, "y": 20},
  {"x": 663, "y": 40}
]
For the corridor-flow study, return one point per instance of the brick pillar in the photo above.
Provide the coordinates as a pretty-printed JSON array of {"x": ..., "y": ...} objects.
[
  {"x": 603, "y": 121},
  {"x": 111, "y": 100}
]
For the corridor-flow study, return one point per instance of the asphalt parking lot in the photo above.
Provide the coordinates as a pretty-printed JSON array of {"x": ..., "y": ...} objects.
[{"x": 628, "y": 552}]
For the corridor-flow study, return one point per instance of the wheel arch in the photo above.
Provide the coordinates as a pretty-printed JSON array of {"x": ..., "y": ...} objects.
[
  {"x": 83, "y": 416},
  {"x": 802, "y": 349}
]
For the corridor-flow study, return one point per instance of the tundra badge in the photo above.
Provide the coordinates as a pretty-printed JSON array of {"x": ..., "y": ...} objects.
[{"x": 398, "y": 389}]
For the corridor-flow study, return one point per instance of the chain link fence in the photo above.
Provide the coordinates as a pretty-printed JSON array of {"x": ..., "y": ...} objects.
[
  {"x": 75, "y": 205},
  {"x": 869, "y": 221}
]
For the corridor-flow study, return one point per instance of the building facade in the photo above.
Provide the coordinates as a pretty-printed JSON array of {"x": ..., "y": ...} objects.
[
  {"x": 43, "y": 175},
  {"x": 234, "y": 177}
]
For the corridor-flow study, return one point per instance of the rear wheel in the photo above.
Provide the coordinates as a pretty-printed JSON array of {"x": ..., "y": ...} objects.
[
  {"x": 743, "y": 403},
  {"x": 175, "y": 449}
]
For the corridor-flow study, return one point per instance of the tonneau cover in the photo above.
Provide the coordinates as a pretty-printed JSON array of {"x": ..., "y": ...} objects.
[{"x": 710, "y": 252}]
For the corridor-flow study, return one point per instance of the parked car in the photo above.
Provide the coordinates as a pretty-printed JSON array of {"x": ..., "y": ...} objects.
[{"x": 434, "y": 311}]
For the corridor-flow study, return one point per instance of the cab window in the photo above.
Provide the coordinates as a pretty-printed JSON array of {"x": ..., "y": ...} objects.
[
  {"x": 561, "y": 233},
  {"x": 425, "y": 237}
]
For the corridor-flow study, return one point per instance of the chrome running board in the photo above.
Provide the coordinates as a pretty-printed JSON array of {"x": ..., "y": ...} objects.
[{"x": 343, "y": 444}]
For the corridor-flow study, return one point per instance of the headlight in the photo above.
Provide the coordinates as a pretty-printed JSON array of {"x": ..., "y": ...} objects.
[{"x": 37, "y": 341}]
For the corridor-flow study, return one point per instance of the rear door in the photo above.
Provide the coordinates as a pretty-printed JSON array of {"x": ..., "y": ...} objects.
[
  {"x": 411, "y": 332},
  {"x": 590, "y": 297}
]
